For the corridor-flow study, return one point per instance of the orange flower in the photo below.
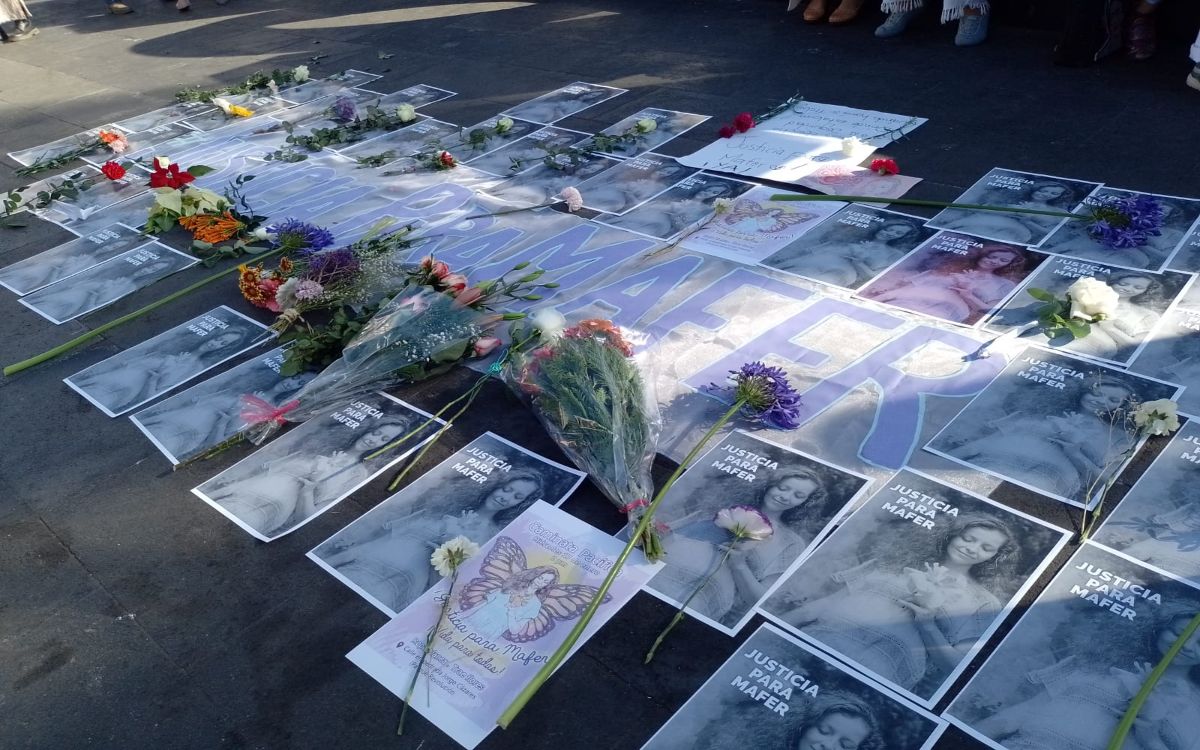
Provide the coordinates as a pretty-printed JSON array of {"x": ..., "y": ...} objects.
[
  {"x": 109, "y": 136},
  {"x": 212, "y": 228}
]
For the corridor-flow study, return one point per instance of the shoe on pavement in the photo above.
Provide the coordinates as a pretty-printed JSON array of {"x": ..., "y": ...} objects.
[
  {"x": 1193, "y": 79},
  {"x": 896, "y": 23},
  {"x": 22, "y": 31},
  {"x": 972, "y": 30},
  {"x": 119, "y": 9}
]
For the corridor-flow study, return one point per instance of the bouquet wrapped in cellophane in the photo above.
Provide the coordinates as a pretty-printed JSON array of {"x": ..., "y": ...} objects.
[{"x": 589, "y": 390}]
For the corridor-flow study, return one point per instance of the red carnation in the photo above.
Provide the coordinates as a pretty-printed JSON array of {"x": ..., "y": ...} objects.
[
  {"x": 885, "y": 166},
  {"x": 447, "y": 159},
  {"x": 743, "y": 122},
  {"x": 726, "y": 132},
  {"x": 112, "y": 170}
]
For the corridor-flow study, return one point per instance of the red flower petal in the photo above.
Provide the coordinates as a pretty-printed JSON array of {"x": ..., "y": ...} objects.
[
  {"x": 726, "y": 132},
  {"x": 885, "y": 166},
  {"x": 743, "y": 122}
]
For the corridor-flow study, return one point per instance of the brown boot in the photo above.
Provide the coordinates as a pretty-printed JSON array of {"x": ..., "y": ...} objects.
[
  {"x": 815, "y": 11},
  {"x": 846, "y": 12}
]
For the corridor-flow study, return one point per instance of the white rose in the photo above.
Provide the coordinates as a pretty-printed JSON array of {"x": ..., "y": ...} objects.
[
  {"x": 224, "y": 104},
  {"x": 1092, "y": 299},
  {"x": 300, "y": 73},
  {"x": 504, "y": 124},
  {"x": 851, "y": 146},
  {"x": 646, "y": 125},
  {"x": 1159, "y": 417},
  {"x": 262, "y": 234},
  {"x": 406, "y": 113},
  {"x": 549, "y": 321}
]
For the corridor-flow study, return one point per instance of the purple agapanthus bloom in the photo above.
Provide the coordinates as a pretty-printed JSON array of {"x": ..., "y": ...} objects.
[
  {"x": 331, "y": 266},
  {"x": 299, "y": 237},
  {"x": 767, "y": 394},
  {"x": 1122, "y": 222},
  {"x": 344, "y": 109}
]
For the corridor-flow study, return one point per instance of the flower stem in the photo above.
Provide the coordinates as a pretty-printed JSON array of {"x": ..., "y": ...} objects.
[
  {"x": 425, "y": 652},
  {"x": 678, "y": 618},
  {"x": 1126, "y": 723},
  {"x": 433, "y": 441},
  {"x": 934, "y": 204},
  {"x": 561, "y": 652},
  {"x": 97, "y": 331}
]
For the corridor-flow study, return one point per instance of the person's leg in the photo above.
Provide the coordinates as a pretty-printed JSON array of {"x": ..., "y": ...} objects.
[
  {"x": 815, "y": 11},
  {"x": 1193, "y": 79},
  {"x": 23, "y": 28},
  {"x": 900, "y": 15},
  {"x": 1141, "y": 41},
  {"x": 972, "y": 20}
]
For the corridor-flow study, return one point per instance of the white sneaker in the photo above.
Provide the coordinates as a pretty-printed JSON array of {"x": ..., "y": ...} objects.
[{"x": 1193, "y": 79}]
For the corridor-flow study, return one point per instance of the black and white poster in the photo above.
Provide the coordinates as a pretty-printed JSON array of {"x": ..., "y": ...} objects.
[
  {"x": 668, "y": 125},
  {"x": 1008, "y": 187},
  {"x": 164, "y": 116},
  {"x": 90, "y": 290},
  {"x": 1172, "y": 351},
  {"x": 914, "y": 582},
  {"x": 1145, "y": 298},
  {"x": 1158, "y": 520},
  {"x": 475, "y": 492},
  {"x": 93, "y": 191},
  {"x": 525, "y": 153},
  {"x": 801, "y": 496},
  {"x": 1064, "y": 676},
  {"x": 320, "y": 113},
  {"x": 257, "y": 104},
  {"x": 1052, "y": 424},
  {"x": 1072, "y": 237},
  {"x": 69, "y": 258},
  {"x": 851, "y": 247},
  {"x": 130, "y": 378},
  {"x": 954, "y": 277},
  {"x": 305, "y": 472},
  {"x": 140, "y": 143},
  {"x": 415, "y": 96},
  {"x": 1187, "y": 258},
  {"x": 542, "y": 183},
  {"x": 205, "y": 415},
  {"x": 564, "y": 102},
  {"x": 776, "y": 692},
  {"x": 420, "y": 136},
  {"x": 633, "y": 182},
  {"x": 680, "y": 207},
  {"x": 484, "y": 137},
  {"x": 57, "y": 148}
]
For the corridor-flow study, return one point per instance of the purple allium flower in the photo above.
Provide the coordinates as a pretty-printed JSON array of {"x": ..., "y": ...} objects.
[
  {"x": 299, "y": 237},
  {"x": 344, "y": 109},
  {"x": 331, "y": 266},
  {"x": 1126, "y": 221},
  {"x": 768, "y": 395}
]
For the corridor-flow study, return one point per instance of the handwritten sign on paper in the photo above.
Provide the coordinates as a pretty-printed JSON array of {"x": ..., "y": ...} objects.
[
  {"x": 834, "y": 121},
  {"x": 772, "y": 154}
]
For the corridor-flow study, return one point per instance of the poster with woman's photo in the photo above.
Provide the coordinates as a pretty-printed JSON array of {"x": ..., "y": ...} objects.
[
  {"x": 1187, "y": 258},
  {"x": 319, "y": 113},
  {"x": 71, "y": 257},
  {"x": 321, "y": 88},
  {"x": 911, "y": 586},
  {"x": 485, "y": 137},
  {"x": 142, "y": 143},
  {"x": 757, "y": 226},
  {"x": 679, "y": 208},
  {"x": 851, "y": 247},
  {"x": 305, "y": 472},
  {"x": 632, "y": 182},
  {"x": 543, "y": 183},
  {"x": 1179, "y": 218},
  {"x": 92, "y": 191},
  {"x": 668, "y": 124},
  {"x": 147, "y": 370},
  {"x": 954, "y": 277},
  {"x": 422, "y": 135},
  {"x": 1145, "y": 298},
  {"x": 206, "y": 415},
  {"x": 801, "y": 496},
  {"x": 106, "y": 283},
  {"x": 525, "y": 153},
  {"x": 475, "y": 492},
  {"x": 1172, "y": 351},
  {"x": 509, "y": 607},
  {"x": 257, "y": 104},
  {"x": 777, "y": 692},
  {"x": 415, "y": 96},
  {"x": 164, "y": 116},
  {"x": 1066, "y": 673},
  {"x": 564, "y": 102},
  {"x": 57, "y": 148},
  {"x": 1158, "y": 521},
  {"x": 1014, "y": 189},
  {"x": 1052, "y": 424}
]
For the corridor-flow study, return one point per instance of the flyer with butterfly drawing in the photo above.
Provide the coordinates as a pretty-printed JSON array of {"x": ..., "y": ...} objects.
[
  {"x": 757, "y": 226},
  {"x": 512, "y": 605}
]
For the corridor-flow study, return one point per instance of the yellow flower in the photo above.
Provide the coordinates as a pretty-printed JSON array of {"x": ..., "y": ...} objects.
[{"x": 237, "y": 111}]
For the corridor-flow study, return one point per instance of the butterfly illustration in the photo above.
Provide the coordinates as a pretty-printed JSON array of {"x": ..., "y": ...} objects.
[
  {"x": 755, "y": 217},
  {"x": 510, "y": 600}
]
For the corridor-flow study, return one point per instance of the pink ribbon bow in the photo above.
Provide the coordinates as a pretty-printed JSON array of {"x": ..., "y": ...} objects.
[
  {"x": 257, "y": 411},
  {"x": 635, "y": 505}
]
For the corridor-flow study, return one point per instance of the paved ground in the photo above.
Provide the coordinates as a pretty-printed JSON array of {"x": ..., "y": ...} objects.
[{"x": 132, "y": 616}]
